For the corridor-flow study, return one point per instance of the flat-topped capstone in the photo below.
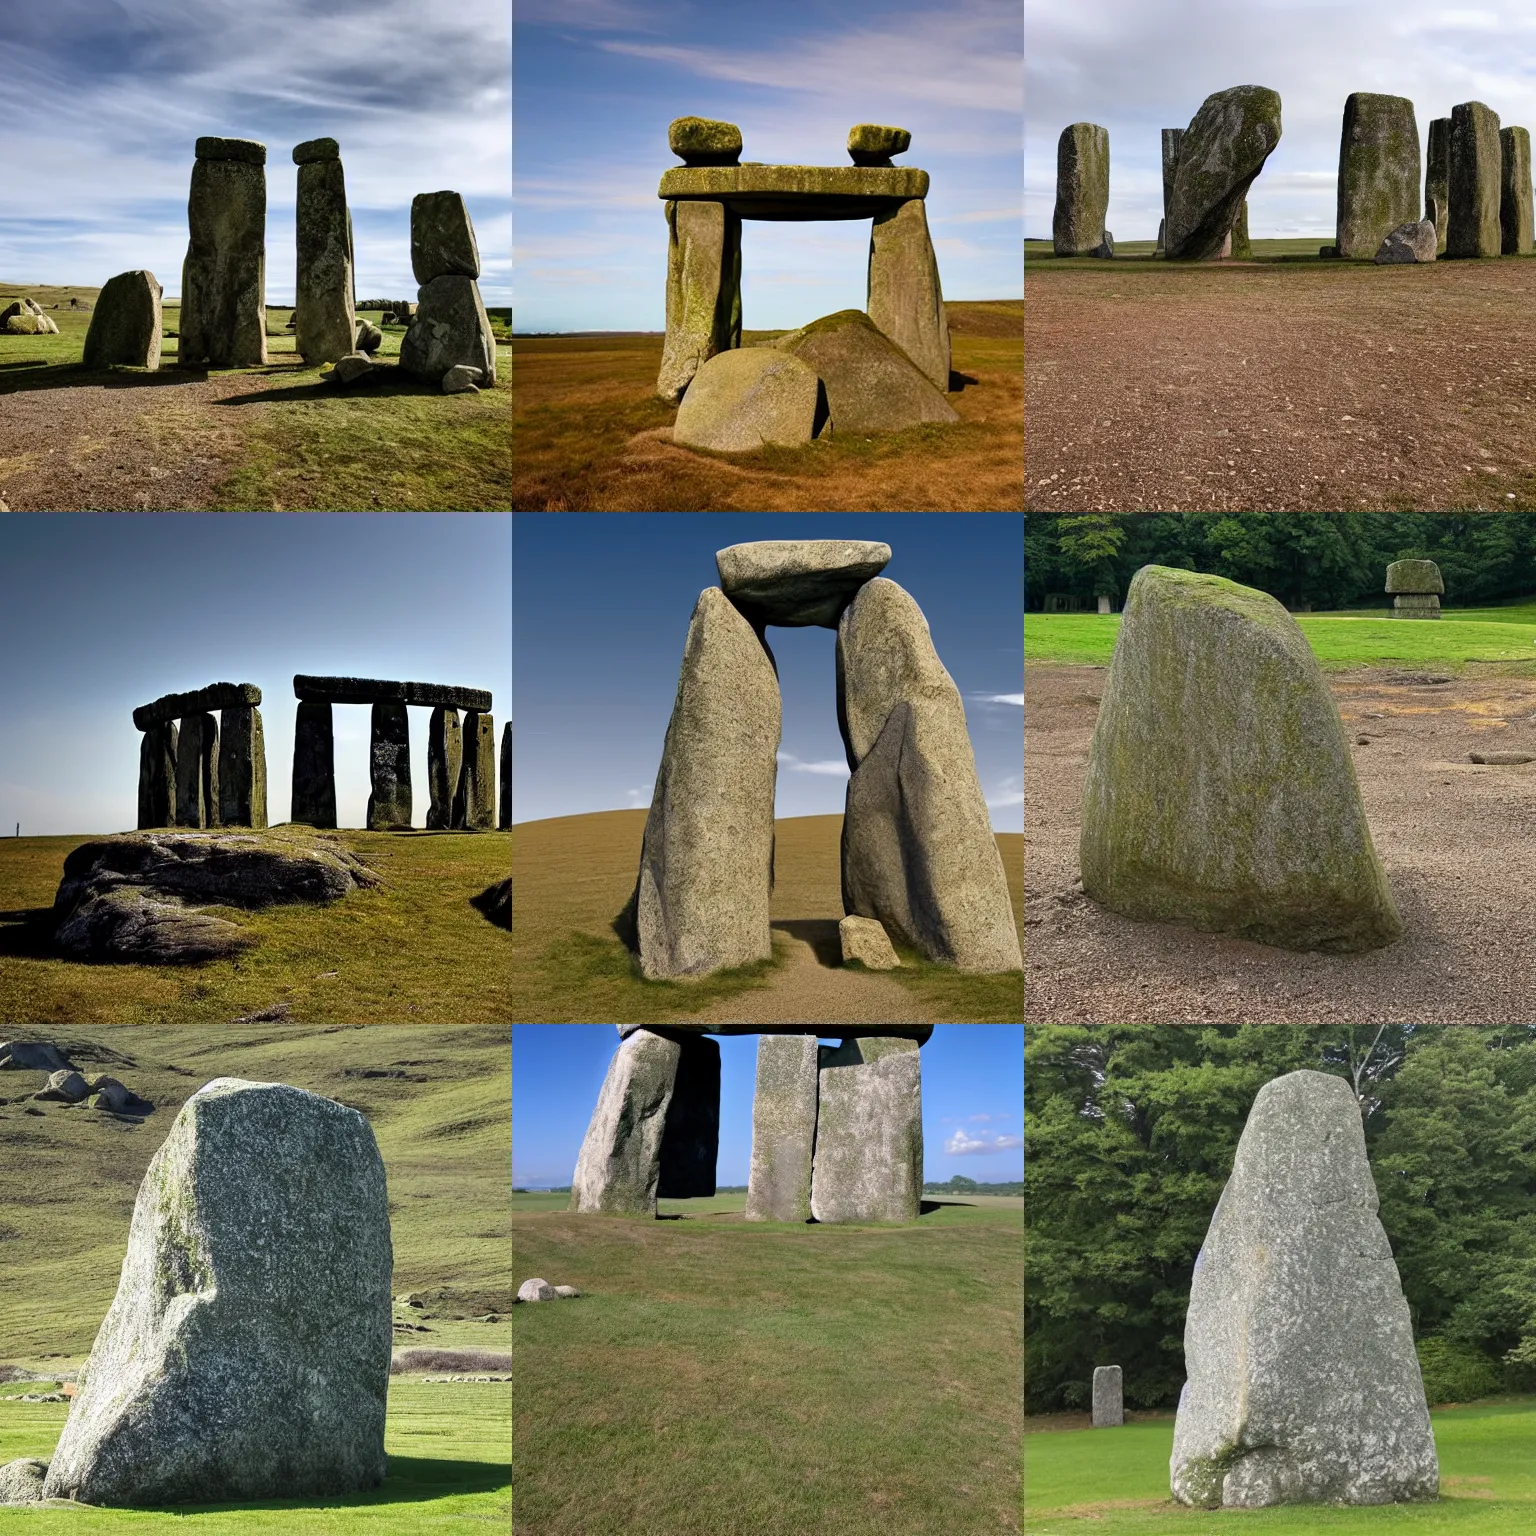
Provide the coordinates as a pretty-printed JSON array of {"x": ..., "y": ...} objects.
[
  {"x": 919, "y": 1032},
  {"x": 875, "y": 143},
  {"x": 704, "y": 140},
  {"x": 250, "y": 151},
  {"x": 374, "y": 690},
  {"x": 798, "y": 582},
  {"x": 173, "y": 706},
  {"x": 795, "y": 191}
]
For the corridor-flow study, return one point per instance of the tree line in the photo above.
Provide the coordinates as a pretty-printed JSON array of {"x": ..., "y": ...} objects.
[
  {"x": 1130, "y": 1135},
  {"x": 1321, "y": 560}
]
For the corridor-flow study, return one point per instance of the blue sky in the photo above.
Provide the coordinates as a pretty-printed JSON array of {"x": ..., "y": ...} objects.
[
  {"x": 103, "y": 613},
  {"x": 101, "y": 102},
  {"x": 601, "y": 610},
  {"x": 598, "y": 81},
  {"x": 973, "y": 1093},
  {"x": 1139, "y": 66}
]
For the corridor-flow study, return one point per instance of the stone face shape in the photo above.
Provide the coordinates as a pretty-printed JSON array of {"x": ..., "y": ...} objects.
[
  {"x": 1378, "y": 172},
  {"x": 504, "y": 813},
  {"x": 442, "y": 238},
  {"x": 215, "y": 696},
  {"x": 223, "y": 279},
  {"x": 445, "y": 760},
  {"x": 1476, "y": 172},
  {"x": 707, "y": 141},
  {"x": 259, "y": 1252},
  {"x": 157, "y": 776},
  {"x": 197, "y": 772},
  {"x": 864, "y": 940},
  {"x": 869, "y": 1132},
  {"x": 474, "y": 805},
  {"x": 1415, "y": 241},
  {"x": 701, "y": 899},
  {"x": 242, "y": 769},
  {"x": 703, "y": 292},
  {"x": 125, "y": 325},
  {"x": 1108, "y": 1397},
  {"x": 743, "y": 399},
  {"x": 874, "y": 143},
  {"x": 324, "y": 323},
  {"x": 1223, "y": 149},
  {"x": 450, "y": 328},
  {"x": 1082, "y": 189},
  {"x": 798, "y": 582},
  {"x": 783, "y": 1129},
  {"x": 536, "y": 1290},
  {"x": 376, "y": 690},
  {"x": 904, "y": 297},
  {"x": 314, "y": 766},
  {"x": 871, "y": 384},
  {"x": 1303, "y": 1383},
  {"x": 919, "y": 855},
  {"x": 1220, "y": 791},
  {"x": 1515, "y": 192},
  {"x": 1437, "y": 178},
  {"x": 690, "y": 1142},
  {"x": 389, "y": 768},
  {"x": 619, "y": 1167}
]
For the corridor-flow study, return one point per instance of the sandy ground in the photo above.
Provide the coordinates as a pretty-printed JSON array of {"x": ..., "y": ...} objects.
[{"x": 1458, "y": 842}]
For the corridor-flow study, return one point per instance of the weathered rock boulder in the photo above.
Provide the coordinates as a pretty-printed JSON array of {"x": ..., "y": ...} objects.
[
  {"x": 701, "y": 898},
  {"x": 535, "y": 1290},
  {"x": 783, "y": 1129},
  {"x": 1082, "y": 189},
  {"x": 1303, "y": 1385},
  {"x": 1437, "y": 178},
  {"x": 707, "y": 141},
  {"x": 748, "y": 398},
  {"x": 1223, "y": 149},
  {"x": 869, "y": 1132},
  {"x": 111, "y": 1096},
  {"x": 1476, "y": 170},
  {"x": 1515, "y": 192},
  {"x": 462, "y": 379},
  {"x": 125, "y": 325},
  {"x": 32, "y": 1056},
  {"x": 450, "y": 328},
  {"x": 259, "y": 1253},
  {"x": 875, "y": 143},
  {"x": 1414, "y": 576},
  {"x": 1378, "y": 172},
  {"x": 366, "y": 337},
  {"x": 864, "y": 940},
  {"x": 904, "y": 296},
  {"x": 918, "y": 854},
  {"x": 1414, "y": 241},
  {"x": 619, "y": 1167},
  {"x": 354, "y": 368},
  {"x": 567, "y": 1292},
  {"x": 223, "y": 278},
  {"x": 1108, "y": 1397},
  {"x": 703, "y": 291},
  {"x": 797, "y": 582},
  {"x": 21, "y": 1482},
  {"x": 1220, "y": 791},
  {"x": 443, "y": 240},
  {"x": 66, "y": 1087}
]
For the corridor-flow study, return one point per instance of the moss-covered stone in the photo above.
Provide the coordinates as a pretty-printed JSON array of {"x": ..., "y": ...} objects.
[
  {"x": 1437, "y": 178},
  {"x": 1220, "y": 791},
  {"x": 783, "y": 1129},
  {"x": 869, "y": 1132},
  {"x": 1414, "y": 576},
  {"x": 905, "y": 299},
  {"x": 1378, "y": 172},
  {"x": 1476, "y": 173},
  {"x": 874, "y": 143},
  {"x": 704, "y": 141},
  {"x": 1223, "y": 149},
  {"x": 1082, "y": 189},
  {"x": 1515, "y": 192},
  {"x": 1241, "y": 248},
  {"x": 703, "y": 291}
]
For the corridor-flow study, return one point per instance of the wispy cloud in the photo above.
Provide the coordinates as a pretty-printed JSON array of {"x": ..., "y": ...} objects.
[
  {"x": 833, "y": 768},
  {"x": 963, "y": 1145},
  {"x": 640, "y": 799},
  {"x": 1000, "y": 698},
  {"x": 1009, "y": 791}
]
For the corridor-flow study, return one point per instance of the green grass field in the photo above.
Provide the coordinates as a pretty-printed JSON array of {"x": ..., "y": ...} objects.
[
  {"x": 720, "y": 1378},
  {"x": 1115, "y": 1482}
]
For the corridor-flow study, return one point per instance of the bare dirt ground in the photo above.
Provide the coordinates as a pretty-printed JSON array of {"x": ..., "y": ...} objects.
[
  {"x": 1280, "y": 387},
  {"x": 1458, "y": 842}
]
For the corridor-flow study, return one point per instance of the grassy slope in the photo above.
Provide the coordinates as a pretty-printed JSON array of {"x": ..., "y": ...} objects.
[
  {"x": 720, "y": 1378},
  {"x": 412, "y": 951},
  {"x": 574, "y": 874},
  {"x": 1115, "y": 1482}
]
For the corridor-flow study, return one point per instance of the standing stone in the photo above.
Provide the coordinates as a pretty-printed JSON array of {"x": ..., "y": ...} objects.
[
  {"x": 442, "y": 238},
  {"x": 1220, "y": 791},
  {"x": 619, "y": 1167},
  {"x": 1108, "y": 1397},
  {"x": 706, "y": 863},
  {"x": 451, "y": 329},
  {"x": 445, "y": 761},
  {"x": 868, "y": 1163},
  {"x": 474, "y": 806},
  {"x": 783, "y": 1129},
  {"x": 157, "y": 776},
  {"x": 1082, "y": 189},
  {"x": 504, "y": 811},
  {"x": 1437, "y": 179},
  {"x": 1239, "y": 247},
  {"x": 690, "y": 1142},
  {"x": 197, "y": 772},
  {"x": 918, "y": 851},
  {"x": 1417, "y": 585},
  {"x": 904, "y": 296},
  {"x": 1303, "y": 1385},
  {"x": 703, "y": 291},
  {"x": 1378, "y": 172},
  {"x": 125, "y": 325},
  {"x": 1515, "y": 192},
  {"x": 242, "y": 768},
  {"x": 259, "y": 1254},
  {"x": 314, "y": 766},
  {"x": 389, "y": 768},
  {"x": 1172, "y": 139},
  {"x": 1223, "y": 149},
  {"x": 1476, "y": 172},
  {"x": 324, "y": 322},
  {"x": 223, "y": 279}
]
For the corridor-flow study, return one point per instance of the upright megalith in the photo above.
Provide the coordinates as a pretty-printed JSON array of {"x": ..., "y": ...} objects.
[
  {"x": 619, "y": 1167},
  {"x": 197, "y": 772},
  {"x": 324, "y": 322},
  {"x": 1082, "y": 189},
  {"x": 1220, "y": 791},
  {"x": 690, "y": 1138},
  {"x": 157, "y": 776},
  {"x": 242, "y": 768},
  {"x": 868, "y": 1163},
  {"x": 1223, "y": 149},
  {"x": 706, "y": 863},
  {"x": 450, "y": 328},
  {"x": 918, "y": 851},
  {"x": 904, "y": 297},
  {"x": 1303, "y": 1385},
  {"x": 445, "y": 764},
  {"x": 1417, "y": 586},
  {"x": 474, "y": 803},
  {"x": 1476, "y": 170},
  {"x": 783, "y": 1129},
  {"x": 1378, "y": 172},
  {"x": 1437, "y": 179},
  {"x": 1515, "y": 229},
  {"x": 223, "y": 279},
  {"x": 1108, "y": 1397},
  {"x": 314, "y": 765},
  {"x": 125, "y": 325},
  {"x": 703, "y": 291},
  {"x": 246, "y": 1354},
  {"x": 389, "y": 768},
  {"x": 504, "y": 807}
]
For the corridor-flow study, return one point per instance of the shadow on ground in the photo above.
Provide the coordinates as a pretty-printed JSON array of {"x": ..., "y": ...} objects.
[
  {"x": 821, "y": 933},
  {"x": 34, "y": 375},
  {"x": 27, "y": 933}
]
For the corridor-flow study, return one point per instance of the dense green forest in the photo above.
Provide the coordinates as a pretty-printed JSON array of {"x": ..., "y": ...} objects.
[
  {"x": 1130, "y": 1134},
  {"x": 1319, "y": 559}
]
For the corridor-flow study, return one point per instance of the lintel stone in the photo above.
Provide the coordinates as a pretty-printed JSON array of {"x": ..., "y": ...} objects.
[
  {"x": 374, "y": 690},
  {"x": 172, "y": 706},
  {"x": 796, "y": 191}
]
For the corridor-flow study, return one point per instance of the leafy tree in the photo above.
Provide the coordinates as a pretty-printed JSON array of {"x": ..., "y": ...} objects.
[{"x": 1089, "y": 545}]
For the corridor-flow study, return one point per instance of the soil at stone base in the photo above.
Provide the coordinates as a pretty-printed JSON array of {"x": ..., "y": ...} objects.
[
  {"x": 1280, "y": 387},
  {"x": 1457, "y": 841}
]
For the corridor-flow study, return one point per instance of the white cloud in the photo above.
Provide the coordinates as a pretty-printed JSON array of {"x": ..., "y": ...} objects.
[
  {"x": 1009, "y": 791},
  {"x": 833, "y": 768},
  {"x": 962, "y": 1145},
  {"x": 640, "y": 799},
  {"x": 1000, "y": 698}
]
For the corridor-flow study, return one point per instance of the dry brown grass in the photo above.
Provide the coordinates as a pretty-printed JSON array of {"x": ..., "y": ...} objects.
[{"x": 589, "y": 435}]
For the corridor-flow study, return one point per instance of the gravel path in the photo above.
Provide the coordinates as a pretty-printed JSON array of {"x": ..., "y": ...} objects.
[{"x": 1458, "y": 842}]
